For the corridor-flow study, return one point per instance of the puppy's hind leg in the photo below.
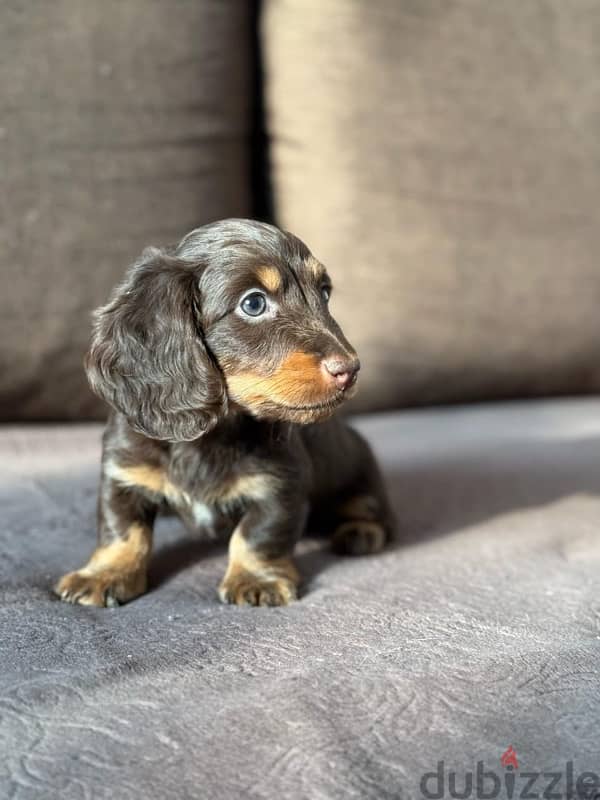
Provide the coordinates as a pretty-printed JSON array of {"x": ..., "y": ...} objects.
[{"x": 364, "y": 522}]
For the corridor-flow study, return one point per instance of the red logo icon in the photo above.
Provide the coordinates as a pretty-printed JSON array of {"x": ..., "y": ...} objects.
[{"x": 509, "y": 758}]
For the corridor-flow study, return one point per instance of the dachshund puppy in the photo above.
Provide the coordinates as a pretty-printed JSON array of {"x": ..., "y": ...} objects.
[{"x": 218, "y": 358}]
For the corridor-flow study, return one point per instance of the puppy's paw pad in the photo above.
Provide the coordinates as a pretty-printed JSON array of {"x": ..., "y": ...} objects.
[
  {"x": 251, "y": 590},
  {"x": 359, "y": 538},
  {"x": 98, "y": 589}
]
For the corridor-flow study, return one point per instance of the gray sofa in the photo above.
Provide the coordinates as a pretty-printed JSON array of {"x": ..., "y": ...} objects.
[{"x": 442, "y": 159}]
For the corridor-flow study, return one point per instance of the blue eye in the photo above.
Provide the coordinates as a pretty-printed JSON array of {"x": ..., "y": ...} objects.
[
  {"x": 326, "y": 293},
  {"x": 254, "y": 304}
]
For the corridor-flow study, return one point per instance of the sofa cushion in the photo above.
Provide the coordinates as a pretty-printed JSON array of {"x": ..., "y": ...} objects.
[
  {"x": 478, "y": 630},
  {"x": 442, "y": 158},
  {"x": 123, "y": 125}
]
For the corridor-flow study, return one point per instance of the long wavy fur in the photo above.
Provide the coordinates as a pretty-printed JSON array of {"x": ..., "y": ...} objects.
[{"x": 147, "y": 358}]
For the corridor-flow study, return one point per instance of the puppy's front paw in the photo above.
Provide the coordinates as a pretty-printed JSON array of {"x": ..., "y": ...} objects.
[
  {"x": 106, "y": 587},
  {"x": 248, "y": 589},
  {"x": 252, "y": 579},
  {"x": 359, "y": 538}
]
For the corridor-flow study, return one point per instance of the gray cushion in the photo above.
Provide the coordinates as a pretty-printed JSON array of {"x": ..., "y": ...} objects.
[
  {"x": 479, "y": 630},
  {"x": 122, "y": 125},
  {"x": 443, "y": 159}
]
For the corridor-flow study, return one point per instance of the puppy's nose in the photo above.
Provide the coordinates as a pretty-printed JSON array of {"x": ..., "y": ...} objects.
[{"x": 343, "y": 371}]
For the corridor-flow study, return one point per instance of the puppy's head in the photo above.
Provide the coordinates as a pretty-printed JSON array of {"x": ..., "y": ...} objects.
[{"x": 235, "y": 316}]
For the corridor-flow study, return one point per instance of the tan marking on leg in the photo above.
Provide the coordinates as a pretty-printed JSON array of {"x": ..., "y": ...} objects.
[
  {"x": 115, "y": 573},
  {"x": 363, "y": 507},
  {"x": 251, "y": 487},
  {"x": 361, "y": 533},
  {"x": 149, "y": 477},
  {"x": 270, "y": 277},
  {"x": 254, "y": 580}
]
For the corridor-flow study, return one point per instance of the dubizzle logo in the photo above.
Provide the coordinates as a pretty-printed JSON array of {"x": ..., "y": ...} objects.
[{"x": 486, "y": 784}]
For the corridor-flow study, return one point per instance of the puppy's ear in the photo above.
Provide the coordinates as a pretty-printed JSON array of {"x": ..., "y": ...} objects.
[{"x": 147, "y": 358}]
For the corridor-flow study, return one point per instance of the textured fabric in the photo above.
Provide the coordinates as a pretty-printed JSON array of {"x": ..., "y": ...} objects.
[
  {"x": 478, "y": 631},
  {"x": 443, "y": 159},
  {"x": 123, "y": 124}
]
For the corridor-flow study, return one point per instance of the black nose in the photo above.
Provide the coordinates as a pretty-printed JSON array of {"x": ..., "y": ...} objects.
[{"x": 342, "y": 370}]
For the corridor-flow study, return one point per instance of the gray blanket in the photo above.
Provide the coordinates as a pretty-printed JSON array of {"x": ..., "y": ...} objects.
[{"x": 478, "y": 631}]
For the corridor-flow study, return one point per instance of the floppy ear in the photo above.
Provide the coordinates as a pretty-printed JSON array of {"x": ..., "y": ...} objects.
[{"x": 147, "y": 358}]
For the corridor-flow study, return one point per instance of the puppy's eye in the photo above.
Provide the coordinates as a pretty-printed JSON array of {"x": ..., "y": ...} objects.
[
  {"x": 326, "y": 293},
  {"x": 254, "y": 304}
]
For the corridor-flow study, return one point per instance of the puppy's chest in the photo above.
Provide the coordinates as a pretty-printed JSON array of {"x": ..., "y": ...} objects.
[
  {"x": 202, "y": 487},
  {"x": 199, "y": 493},
  {"x": 199, "y": 498}
]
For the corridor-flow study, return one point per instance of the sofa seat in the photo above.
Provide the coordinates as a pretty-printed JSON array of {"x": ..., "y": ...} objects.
[{"x": 478, "y": 630}]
